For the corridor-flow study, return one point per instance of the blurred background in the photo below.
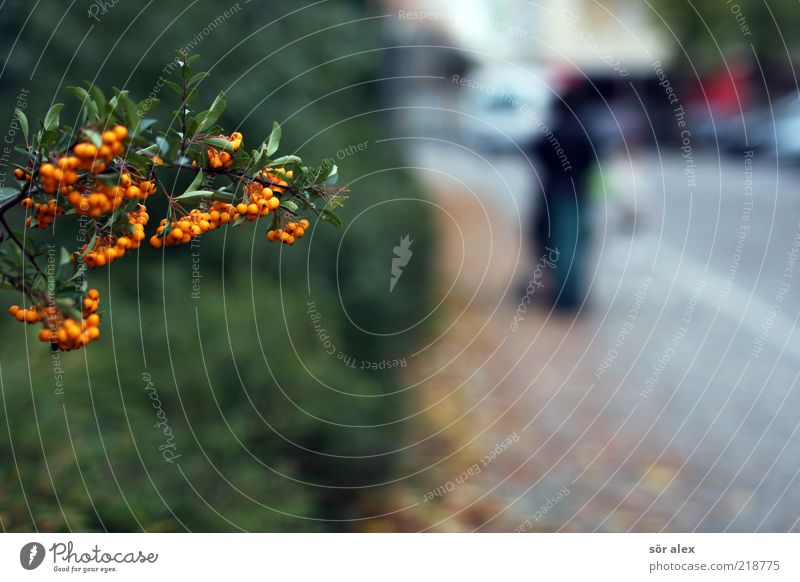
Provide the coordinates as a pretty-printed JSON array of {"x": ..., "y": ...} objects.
[{"x": 563, "y": 298}]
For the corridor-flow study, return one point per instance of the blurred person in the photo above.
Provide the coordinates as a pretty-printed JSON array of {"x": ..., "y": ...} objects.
[
  {"x": 627, "y": 197},
  {"x": 566, "y": 151}
]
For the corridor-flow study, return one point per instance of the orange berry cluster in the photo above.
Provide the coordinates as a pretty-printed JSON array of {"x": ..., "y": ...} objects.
[
  {"x": 30, "y": 315},
  {"x": 289, "y": 233},
  {"x": 138, "y": 220},
  {"x": 259, "y": 201},
  {"x": 277, "y": 183},
  {"x": 135, "y": 187},
  {"x": 93, "y": 158},
  {"x": 59, "y": 177},
  {"x": 104, "y": 198},
  {"x": 70, "y": 334},
  {"x": 64, "y": 333},
  {"x": 21, "y": 174},
  {"x": 43, "y": 214},
  {"x": 224, "y": 159},
  {"x": 107, "y": 249},
  {"x": 189, "y": 226}
]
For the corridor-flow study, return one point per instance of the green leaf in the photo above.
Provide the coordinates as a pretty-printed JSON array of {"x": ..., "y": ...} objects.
[
  {"x": 174, "y": 86},
  {"x": 199, "y": 77},
  {"x": 219, "y": 143},
  {"x": 6, "y": 193},
  {"x": 285, "y": 161},
  {"x": 87, "y": 103},
  {"x": 326, "y": 170},
  {"x": 23, "y": 123},
  {"x": 51, "y": 120},
  {"x": 289, "y": 204},
  {"x": 68, "y": 306},
  {"x": 331, "y": 217},
  {"x": 195, "y": 194},
  {"x": 131, "y": 112},
  {"x": 274, "y": 139},
  {"x": 65, "y": 265},
  {"x": 79, "y": 92},
  {"x": 147, "y": 105},
  {"x": 198, "y": 179},
  {"x": 258, "y": 154},
  {"x": 94, "y": 137},
  {"x": 144, "y": 124},
  {"x": 242, "y": 160},
  {"x": 99, "y": 99},
  {"x": 150, "y": 150},
  {"x": 186, "y": 71},
  {"x": 208, "y": 118},
  {"x": 111, "y": 179},
  {"x": 163, "y": 146},
  {"x": 201, "y": 195},
  {"x": 46, "y": 138}
]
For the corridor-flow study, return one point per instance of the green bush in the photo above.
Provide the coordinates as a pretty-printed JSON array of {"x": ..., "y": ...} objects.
[{"x": 273, "y": 432}]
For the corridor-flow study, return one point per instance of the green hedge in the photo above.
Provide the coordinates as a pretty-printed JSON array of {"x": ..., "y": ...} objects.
[{"x": 240, "y": 373}]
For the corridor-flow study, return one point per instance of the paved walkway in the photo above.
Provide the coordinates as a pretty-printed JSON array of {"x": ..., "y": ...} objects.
[{"x": 653, "y": 410}]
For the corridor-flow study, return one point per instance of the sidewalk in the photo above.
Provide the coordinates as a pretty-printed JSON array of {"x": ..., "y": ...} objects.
[{"x": 646, "y": 413}]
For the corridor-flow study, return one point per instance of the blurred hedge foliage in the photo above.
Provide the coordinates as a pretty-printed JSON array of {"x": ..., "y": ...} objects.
[{"x": 273, "y": 433}]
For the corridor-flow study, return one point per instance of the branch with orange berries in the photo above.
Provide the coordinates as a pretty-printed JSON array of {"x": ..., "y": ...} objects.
[{"x": 103, "y": 172}]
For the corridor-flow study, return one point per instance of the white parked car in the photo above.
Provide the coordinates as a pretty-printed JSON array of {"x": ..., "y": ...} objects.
[{"x": 503, "y": 106}]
